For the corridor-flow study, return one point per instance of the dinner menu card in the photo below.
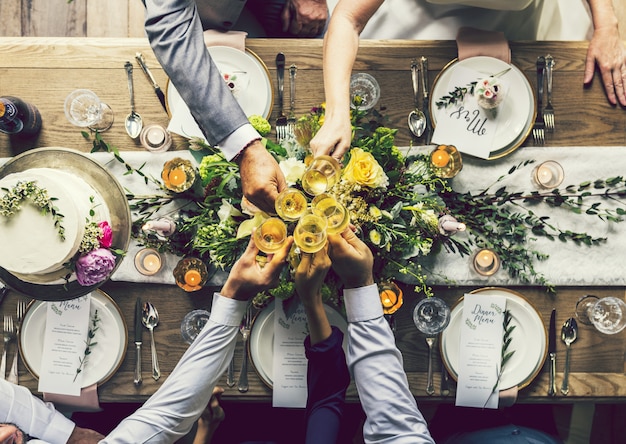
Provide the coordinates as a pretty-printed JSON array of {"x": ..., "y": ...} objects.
[
  {"x": 480, "y": 350},
  {"x": 464, "y": 124},
  {"x": 64, "y": 342},
  {"x": 290, "y": 363}
]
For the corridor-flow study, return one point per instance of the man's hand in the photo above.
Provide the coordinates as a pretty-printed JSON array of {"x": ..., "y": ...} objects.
[
  {"x": 84, "y": 436},
  {"x": 608, "y": 51},
  {"x": 333, "y": 138},
  {"x": 304, "y": 18},
  {"x": 249, "y": 276},
  {"x": 352, "y": 259},
  {"x": 261, "y": 177},
  {"x": 211, "y": 418}
]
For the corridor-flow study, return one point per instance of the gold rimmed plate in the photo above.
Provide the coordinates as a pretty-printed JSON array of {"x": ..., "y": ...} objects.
[{"x": 103, "y": 182}]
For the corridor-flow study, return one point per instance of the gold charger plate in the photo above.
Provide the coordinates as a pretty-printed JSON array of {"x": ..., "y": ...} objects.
[{"x": 103, "y": 182}]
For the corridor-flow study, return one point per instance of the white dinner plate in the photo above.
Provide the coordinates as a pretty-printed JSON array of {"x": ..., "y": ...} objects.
[
  {"x": 529, "y": 339},
  {"x": 255, "y": 95},
  {"x": 106, "y": 356},
  {"x": 516, "y": 113},
  {"x": 261, "y": 343}
]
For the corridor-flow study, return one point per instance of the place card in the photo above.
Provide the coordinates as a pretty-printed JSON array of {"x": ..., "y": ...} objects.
[
  {"x": 290, "y": 362},
  {"x": 480, "y": 350},
  {"x": 64, "y": 342},
  {"x": 466, "y": 125}
]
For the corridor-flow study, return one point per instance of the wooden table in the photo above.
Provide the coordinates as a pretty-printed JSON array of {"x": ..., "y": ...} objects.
[{"x": 44, "y": 70}]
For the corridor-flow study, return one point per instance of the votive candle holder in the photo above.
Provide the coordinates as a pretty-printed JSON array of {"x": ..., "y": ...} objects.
[
  {"x": 190, "y": 274},
  {"x": 486, "y": 262},
  {"x": 148, "y": 261}
]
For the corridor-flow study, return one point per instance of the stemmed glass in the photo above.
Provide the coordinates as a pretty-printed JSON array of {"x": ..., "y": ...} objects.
[
  {"x": 192, "y": 324},
  {"x": 607, "y": 315},
  {"x": 431, "y": 316},
  {"x": 84, "y": 108},
  {"x": 321, "y": 175},
  {"x": 271, "y": 235},
  {"x": 291, "y": 204},
  {"x": 310, "y": 233},
  {"x": 336, "y": 215}
]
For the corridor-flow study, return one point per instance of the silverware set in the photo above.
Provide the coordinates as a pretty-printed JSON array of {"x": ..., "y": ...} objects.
[
  {"x": 544, "y": 122},
  {"x": 11, "y": 331}
]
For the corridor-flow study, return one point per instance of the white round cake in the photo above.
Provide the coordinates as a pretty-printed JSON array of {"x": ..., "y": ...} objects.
[{"x": 35, "y": 246}]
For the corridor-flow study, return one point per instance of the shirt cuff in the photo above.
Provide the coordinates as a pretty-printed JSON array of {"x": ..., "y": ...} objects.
[
  {"x": 362, "y": 303},
  {"x": 227, "y": 311},
  {"x": 236, "y": 141}
]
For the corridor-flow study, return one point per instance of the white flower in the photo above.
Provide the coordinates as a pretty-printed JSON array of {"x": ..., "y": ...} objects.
[
  {"x": 293, "y": 169},
  {"x": 375, "y": 237},
  {"x": 227, "y": 211}
]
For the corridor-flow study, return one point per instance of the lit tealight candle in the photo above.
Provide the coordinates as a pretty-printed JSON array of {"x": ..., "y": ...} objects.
[
  {"x": 177, "y": 177},
  {"x": 486, "y": 262},
  {"x": 152, "y": 263},
  {"x": 192, "y": 278},
  {"x": 155, "y": 136},
  {"x": 148, "y": 261},
  {"x": 549, "y": 174}
]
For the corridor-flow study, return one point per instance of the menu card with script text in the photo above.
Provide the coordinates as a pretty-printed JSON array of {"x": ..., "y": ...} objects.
[
  {"x": 67, "y": 325},
  {"x": 290, "y": 363},
  {"x": 480, "y": 350}
]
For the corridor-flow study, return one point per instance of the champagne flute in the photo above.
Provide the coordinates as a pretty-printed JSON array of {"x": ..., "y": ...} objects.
[
  {"x": 310, "y": 233},
  {"x": 291, "y": 204},
  {"x": 321, "y": 175},
  {"x": 84, "y": 108},
  {"x": 431, "y": 316},
  {"x": 607, "y": 315},
  {"x": 336, "y": 215},
  {"x": 271, "y": 235}
]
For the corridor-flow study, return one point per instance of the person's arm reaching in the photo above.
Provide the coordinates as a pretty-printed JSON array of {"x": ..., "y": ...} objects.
[{"x": 607, "y": 50}]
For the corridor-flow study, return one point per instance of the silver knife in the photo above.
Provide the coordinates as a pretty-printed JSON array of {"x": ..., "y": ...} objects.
[
  {"x": 3, "y": 291},
  {"x": 138, "y": 341},
  {"x": 157, "y": 88},
  {"x": 428, "y": 131},
  {"x": 552, "y": 353}
]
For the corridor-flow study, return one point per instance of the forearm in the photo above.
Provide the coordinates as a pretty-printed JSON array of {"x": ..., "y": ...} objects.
[
  {"x": 319, "y": 326},
  {"x": 603, "y": 14}
]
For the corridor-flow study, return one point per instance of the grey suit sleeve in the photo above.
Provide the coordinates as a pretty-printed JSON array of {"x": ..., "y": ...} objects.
[{"x": 175, "y": 33}]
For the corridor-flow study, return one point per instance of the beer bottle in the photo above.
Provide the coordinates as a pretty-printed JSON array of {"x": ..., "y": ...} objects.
[{"x": 18, "y": 117}]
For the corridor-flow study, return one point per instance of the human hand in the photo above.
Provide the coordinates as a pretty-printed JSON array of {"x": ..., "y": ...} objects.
[
  {"x": 261, "y": 177},
  {"x": 304, "y": 18},
  {"x": 211, "y": 418},
  {"x": 608, "y": 51},
  {"x": 11, "y": 434},
  {"x": 351, "y": 258},
  {"x": 84, "y": 436},
  {"x": 310, "y": 275},
  {"x": 333, "y": 138},
  {"x": 249, "y": 277}
]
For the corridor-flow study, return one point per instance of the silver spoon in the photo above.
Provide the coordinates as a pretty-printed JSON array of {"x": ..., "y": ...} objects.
[
  {"x": 417, "y": 119},
  {"x": 569, "y": 333},
  {"x": 133, "y": 122},
  {"x": 150, "y": 320}
]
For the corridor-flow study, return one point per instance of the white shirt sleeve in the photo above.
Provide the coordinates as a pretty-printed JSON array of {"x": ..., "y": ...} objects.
[
  {"x": 376, "y": 365},
  {"x": 37, "y": 418},
  {"x": 170, "y": 413}
]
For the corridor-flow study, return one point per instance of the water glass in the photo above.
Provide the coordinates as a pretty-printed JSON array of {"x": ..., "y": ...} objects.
[
  {"x": 607, "y": 315},
  {"x": 84, "y": 108},
  {"x": 431, "y": 315},
  {"x": 192, "y": 324},
  {"x": 364, "y": 91}
]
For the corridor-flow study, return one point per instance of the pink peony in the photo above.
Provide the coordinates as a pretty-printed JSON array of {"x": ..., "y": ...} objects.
[
  {"x": 106, "y": 239},
  {"x": 94, "y": 267}
]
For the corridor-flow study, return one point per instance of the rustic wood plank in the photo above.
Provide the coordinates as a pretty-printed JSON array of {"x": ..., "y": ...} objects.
[
  {"x": 136, "y": 18},
  {"x": 107, "y": 19},
  {"x": 11, "y": 13},
  {"x": 54, "y": 18}
]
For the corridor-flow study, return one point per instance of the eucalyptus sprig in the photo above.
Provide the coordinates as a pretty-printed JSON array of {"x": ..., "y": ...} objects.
[
  {"x": 456, "y": 95},
  {"x": 91, "y": 334},
  {"x": 506, "y": 355}
]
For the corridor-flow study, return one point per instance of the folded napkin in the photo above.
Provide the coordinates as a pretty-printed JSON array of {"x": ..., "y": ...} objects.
[
  {"x": 234, "y": 39},
  {"x": 472, "y": 42},
  {"x": 87, "y": 401}
]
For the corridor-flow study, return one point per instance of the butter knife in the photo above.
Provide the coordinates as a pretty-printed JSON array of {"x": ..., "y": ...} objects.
[
  {"x": 157, "y": 88},
  {"x": 552, "y": 353},
  {"x": 428, "y": 131},
  {"x": 138, "y": 341}
]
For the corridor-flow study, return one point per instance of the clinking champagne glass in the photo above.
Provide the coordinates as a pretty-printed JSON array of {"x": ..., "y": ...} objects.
[
  {"x": 607, "y": 315},
  {"x": 271, "y": 235},
  {"x": 431, "y": 316},
  {"x": 321, "y": 175},
  {"x": 84, "y": 108},
  {"x": 310, "y": 233},
  {"x": 291, "y": 204},
  {"x": 336, "y": 215}
]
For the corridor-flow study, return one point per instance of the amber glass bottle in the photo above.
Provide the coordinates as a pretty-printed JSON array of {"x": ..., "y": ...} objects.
[{"x": 19, "y": 117}]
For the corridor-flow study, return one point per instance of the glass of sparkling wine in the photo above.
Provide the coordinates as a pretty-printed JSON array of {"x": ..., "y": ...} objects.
[
  {"x": 84, "y": 108},
  {"x": 321, "y": 175},
  {"x": 607, "y": 315},
  {"x": 310, "y": 233},
  {"x": 336, "y": 215},
  {"x": 271, "y": 235},
  {"x": 291, "y": 204}
]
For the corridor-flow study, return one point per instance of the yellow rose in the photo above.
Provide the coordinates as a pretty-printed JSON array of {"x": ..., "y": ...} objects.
[{"x": 363, "y": 169}]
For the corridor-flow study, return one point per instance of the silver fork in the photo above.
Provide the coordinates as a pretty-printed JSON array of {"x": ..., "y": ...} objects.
[
  {"x": 548, "y": 112},
  {"x": 291, "y": 120},
  {"x": 242, "y": 383},
  {"x": 539, "y": 126},
  {"x": 281, "y": 122},
  {"x": 21, "y": 309},
  {"x": 8, "y": 336}
]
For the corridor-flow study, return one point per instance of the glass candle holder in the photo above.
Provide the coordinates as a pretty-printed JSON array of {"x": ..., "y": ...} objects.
[
  {"x": 270, "y": 236},
  {"x": 155, "y": 138},
  {"x": 310, "y": 233},
  {"x": 291, "y": 204},
  {"x": 390, "y": 297},
  {"x": 321, "y": 175},
  {"x": 191, "y": 274},
  {"x": 336, "y": 215},
  {"x": 193, "y": 323},
  {"x": 178, "y": 175},
  {"x": 148, "y": 261},
  {"x": 548, "y": 174},
  {"x": 445, "y": 161},
  {"x": 364, "y": 91},
  {"x": 486, "y": 262}
]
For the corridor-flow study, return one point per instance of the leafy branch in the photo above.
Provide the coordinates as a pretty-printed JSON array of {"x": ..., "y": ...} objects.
[
  {"x": 457, "y": 95},
  {"x": 505, "y": 354},
  {"x": 91, "y": 333}
]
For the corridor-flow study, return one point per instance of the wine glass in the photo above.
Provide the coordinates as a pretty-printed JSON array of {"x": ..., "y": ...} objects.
[
  {"x": 84, "y": 108},
  {"x": 431, "y": 316},
  {"x": 607, "y": 315},
  {"x": 271, "y": 235},
  {"x": 321, "y": 175},
  {"x": 291, "y": 204},
  {"x": 192, "y": 324},
  {"x": 310, "y": 233},
  {"x": 336, "y": 215}
]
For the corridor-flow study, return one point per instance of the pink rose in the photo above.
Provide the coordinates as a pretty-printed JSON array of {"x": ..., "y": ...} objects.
[
  {"x": 94, "y": 267},
  {"x": 106, "y": 240}
]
